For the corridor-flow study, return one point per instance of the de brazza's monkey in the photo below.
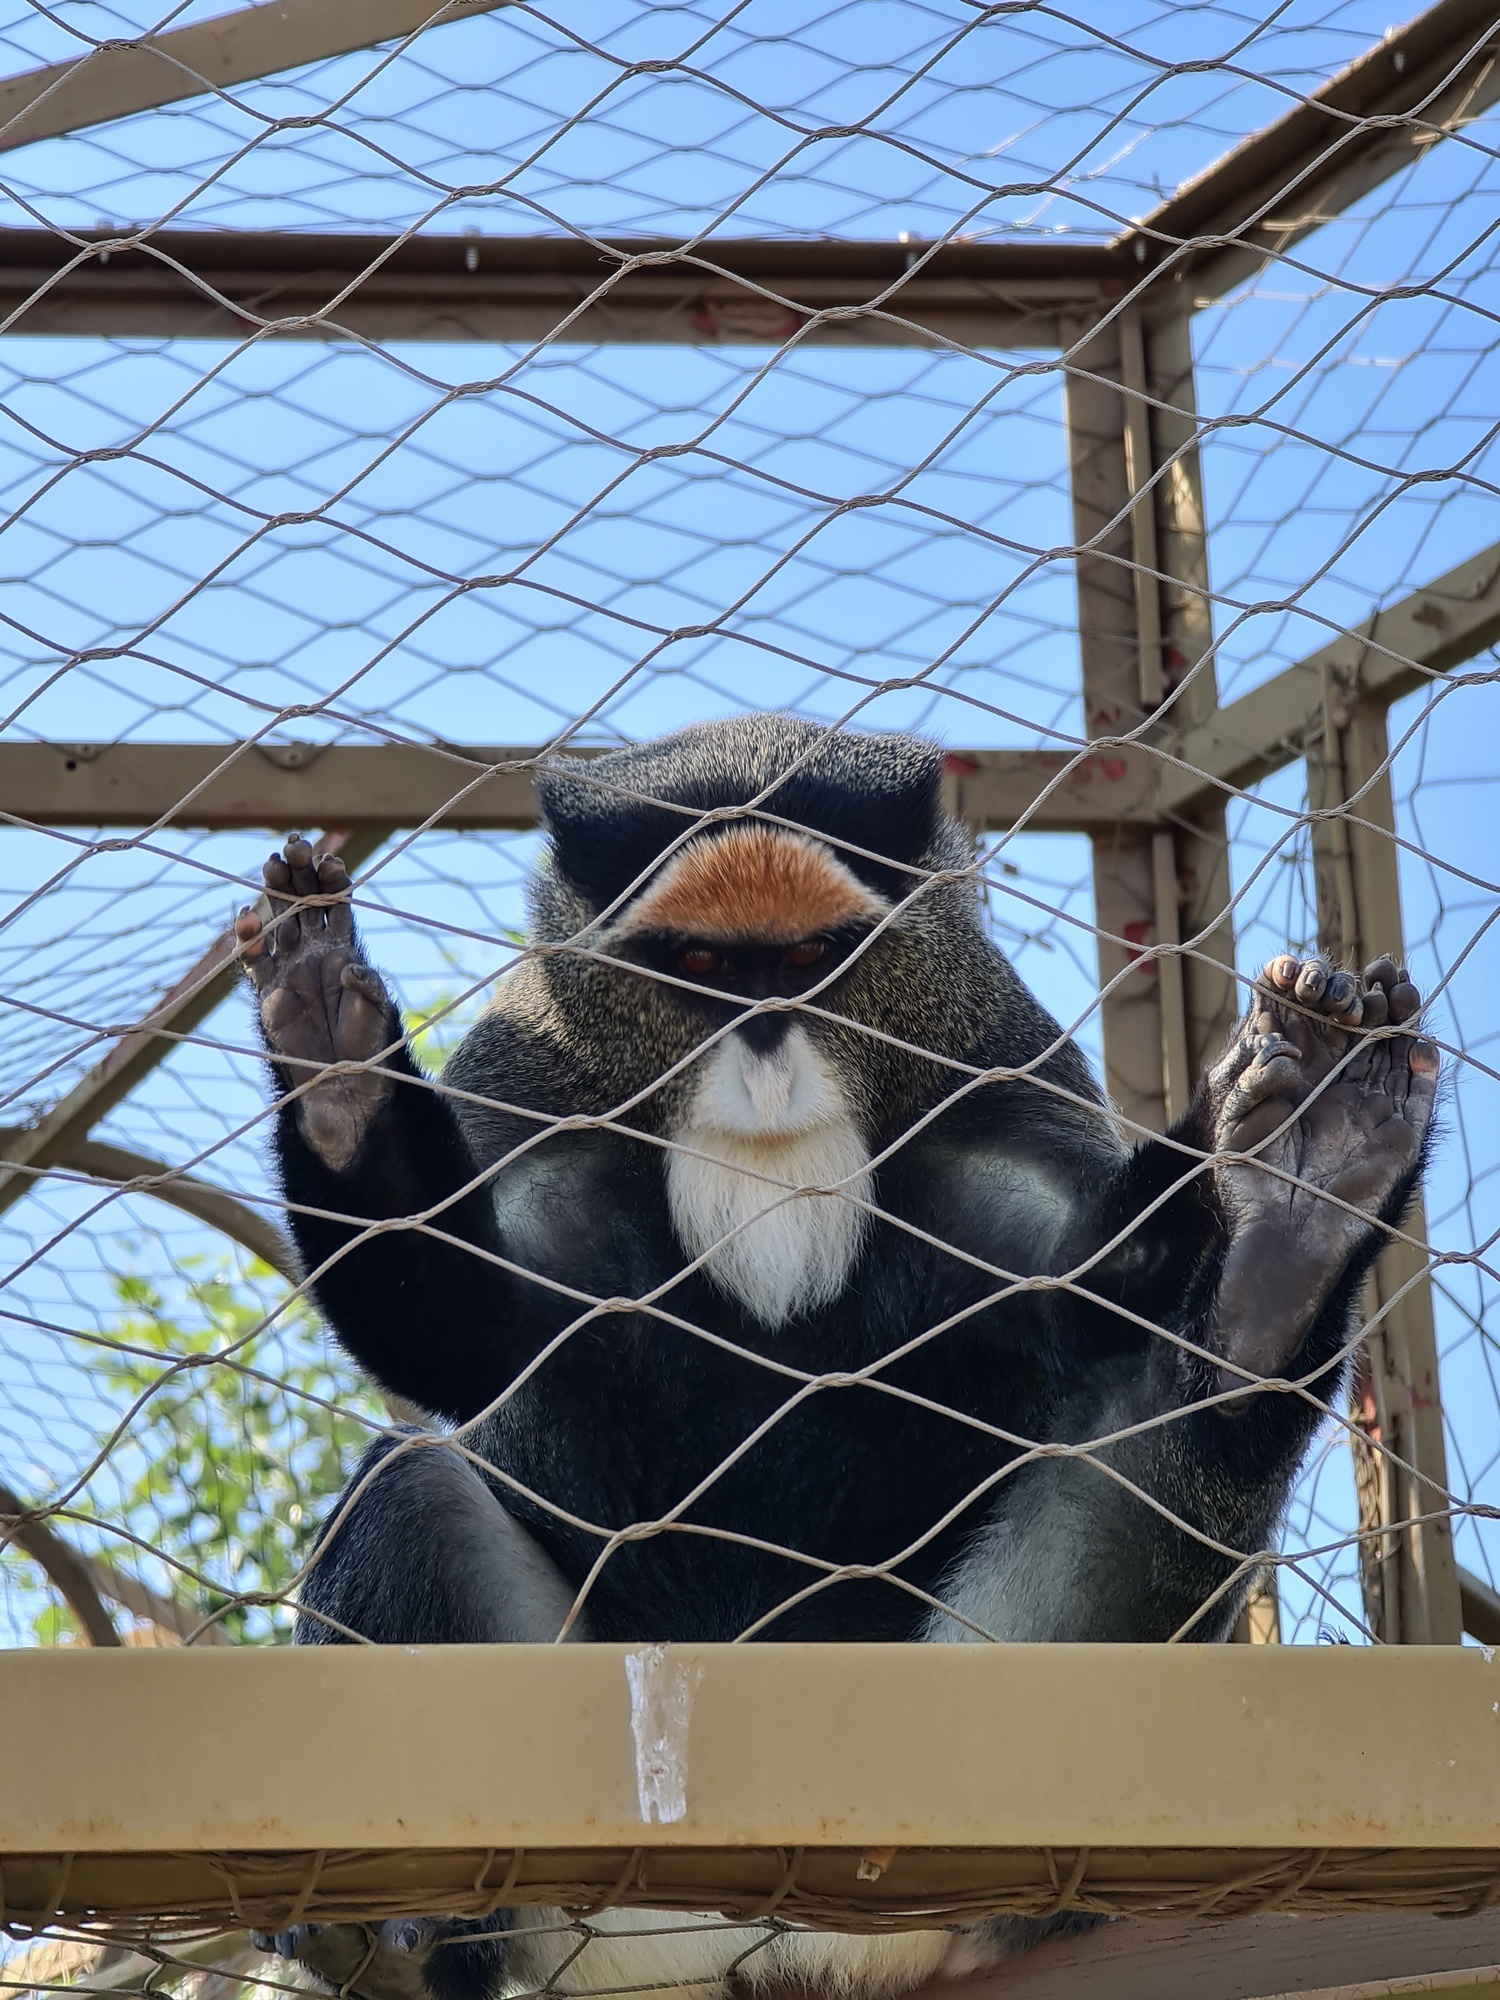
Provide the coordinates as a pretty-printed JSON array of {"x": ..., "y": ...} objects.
[{"x": 814, "y": 1126}]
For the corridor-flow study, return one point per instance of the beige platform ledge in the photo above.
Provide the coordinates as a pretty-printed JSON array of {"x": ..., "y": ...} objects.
[{"x": 861, "y": 1787}]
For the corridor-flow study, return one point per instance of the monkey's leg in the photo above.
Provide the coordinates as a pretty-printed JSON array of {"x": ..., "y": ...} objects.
[
  {"x": 424, "y": 1555},
  {"x": 427, "y": 1308}
]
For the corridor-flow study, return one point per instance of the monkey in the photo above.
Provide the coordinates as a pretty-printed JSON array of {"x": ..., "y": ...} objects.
[{"x": 767, "y": 1214}]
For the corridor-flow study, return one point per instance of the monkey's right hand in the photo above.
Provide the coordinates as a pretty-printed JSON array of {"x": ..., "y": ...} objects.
[{"x": 320, "y": 1003}]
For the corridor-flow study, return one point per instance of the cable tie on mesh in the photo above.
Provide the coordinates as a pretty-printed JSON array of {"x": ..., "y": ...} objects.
[
  {"x": 1299, "y": 1879},
  {"x": 496, "y": 1899},
  {"x": 232, "y": 1889},
  {"x": 1487, "y": 1898},
  {"x": 632, "y": 1876},
  {"x": 306, "y": 1893},
  {"x": 790, "y": 1869},
  {"x": 1064, "y": 1890},
  {"x": 22, "y": 1926}
]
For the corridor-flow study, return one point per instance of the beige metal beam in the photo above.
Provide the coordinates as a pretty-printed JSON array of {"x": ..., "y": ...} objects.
[
  {"x": 1112, "y": 522},
  {"x": 1435, "y": 629},
  {"x": 113, "y": 78},
  {"x": 1145, "y": 630},
  {"x": 225, "y": 284},
  {"x": 27, "y": 1150},
  {"x": 1186, "y": 624},
  {"x": 1377, "y": 116},
  {"x": 475, "y": 786},
  {"x": 1420, "y": 82},
  {"x": 987, "y": 1769}
]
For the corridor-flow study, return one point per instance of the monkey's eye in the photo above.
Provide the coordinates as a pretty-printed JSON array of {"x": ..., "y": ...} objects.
[
  {"x": 699, "y": 961},
  {"x": 809, "y": 952}
]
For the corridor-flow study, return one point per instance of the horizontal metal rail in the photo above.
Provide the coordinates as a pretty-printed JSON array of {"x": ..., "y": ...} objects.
[
  {"x": 114, "y": 78},
  {"x": 469, "y": 786},
  {"x": 958, "y": 1775},
  {"x": 222, "y": 284},
  {"x": 1422, "y": 81}
]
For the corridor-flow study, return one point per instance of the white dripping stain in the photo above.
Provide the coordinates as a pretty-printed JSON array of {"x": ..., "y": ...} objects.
[{"x": 661, "y": 1704}]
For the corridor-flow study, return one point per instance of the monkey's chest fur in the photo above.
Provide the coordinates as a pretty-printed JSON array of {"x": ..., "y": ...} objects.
[{"x": 822, "y": 1349}]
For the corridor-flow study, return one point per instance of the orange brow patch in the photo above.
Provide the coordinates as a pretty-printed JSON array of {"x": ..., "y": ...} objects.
[{"x": 753, "y": 882}]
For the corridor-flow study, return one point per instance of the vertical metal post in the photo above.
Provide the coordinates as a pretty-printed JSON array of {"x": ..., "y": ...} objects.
[
  {"x": 1182, "y": 885},
  {"x": 1146, "y": 629},
  {"x": 1108, "y": 530},
  {"x": 1210, "y": 993},
  {"x": 1408, "y": 1572}
]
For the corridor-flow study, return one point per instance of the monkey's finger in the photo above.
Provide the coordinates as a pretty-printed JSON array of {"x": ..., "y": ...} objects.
[
  {"x": 1343, "y": 999},
  {"x": 1377, "y": 1008},
  {"x": 1276, "y": 1072},
  {"x": 304, "y": 874},
  {"x": 302, "y": 867},
  {"x": 1312, "y": 981},
  {"x": 367, "y": 983},
  {"x": 1282, "y": 1078},
  {"x": 333, "y": 880},
  {"x": 1282, "y": 972},
  {"x": 1381, "y": 973},
  {"x": 1405, "y": 1000},
  {"x": 257, "y": 960},
  {"x": 277, "y": 877}
]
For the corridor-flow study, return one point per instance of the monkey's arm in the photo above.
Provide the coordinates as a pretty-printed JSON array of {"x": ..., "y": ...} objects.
[
  {"x": 1305, "y": 1137},
  {"x": 1227, "y": 1256},
  {"x": 425, "y": 1306}
]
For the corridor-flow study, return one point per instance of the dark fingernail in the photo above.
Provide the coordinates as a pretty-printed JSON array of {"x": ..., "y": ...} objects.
[{"x": 406, "y": 1936}]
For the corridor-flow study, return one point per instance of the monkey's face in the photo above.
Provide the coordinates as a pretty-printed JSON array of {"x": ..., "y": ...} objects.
[
  {"x": 809, "y": 943},
  {"x": 737, "y": 928},
  {"x": 765, "y": 1079}
]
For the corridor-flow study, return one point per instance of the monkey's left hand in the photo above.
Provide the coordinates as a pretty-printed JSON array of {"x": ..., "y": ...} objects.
[
  {"x": 1322, "y": 1102},
  {"x": 320, "y": 1003}
]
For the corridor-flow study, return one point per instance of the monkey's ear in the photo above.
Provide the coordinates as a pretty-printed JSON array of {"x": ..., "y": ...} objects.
[{"x": 603, "y": 839}]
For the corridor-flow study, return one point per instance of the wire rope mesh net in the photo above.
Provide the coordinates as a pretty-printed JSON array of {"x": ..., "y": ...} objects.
[{"x": 1069, "y": 519}]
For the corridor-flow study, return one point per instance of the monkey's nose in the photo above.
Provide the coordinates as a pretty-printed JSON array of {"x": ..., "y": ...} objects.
[{"x": 765, "y": 1033}]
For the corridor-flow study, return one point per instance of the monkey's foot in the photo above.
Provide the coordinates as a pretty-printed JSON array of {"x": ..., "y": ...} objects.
[
  {"x": 1322, "y": 1103},
  {"x": 320, "y": 1003},
  {"x": 408, "y": 1958}
]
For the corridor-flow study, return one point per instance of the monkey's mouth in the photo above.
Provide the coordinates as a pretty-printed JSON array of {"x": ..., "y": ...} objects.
[{"x": 766, "y": 1094}]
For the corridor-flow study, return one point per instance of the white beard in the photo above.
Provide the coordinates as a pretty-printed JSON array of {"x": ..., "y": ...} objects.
[{"x": 783, "y": 1116}]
